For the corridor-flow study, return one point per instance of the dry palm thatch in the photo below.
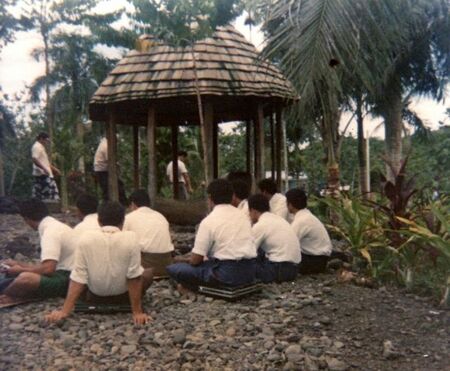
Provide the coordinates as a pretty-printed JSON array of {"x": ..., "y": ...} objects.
[{"x": 229, "y": 70}]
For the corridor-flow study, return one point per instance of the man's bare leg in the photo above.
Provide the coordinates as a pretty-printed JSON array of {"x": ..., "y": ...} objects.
[{"x": 24, "y": 286}]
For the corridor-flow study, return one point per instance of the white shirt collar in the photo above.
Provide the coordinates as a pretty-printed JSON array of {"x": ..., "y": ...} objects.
[{"x": 110, "y": 229}]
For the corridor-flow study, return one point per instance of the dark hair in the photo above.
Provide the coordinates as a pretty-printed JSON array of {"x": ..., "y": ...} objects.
[
  {"x": 259, "y": 203},
  {"x": 33, "y": 209},
  {"x": 268, "y": 185},
  {"x": 87, "y": 204},
  {"x": 240, "y": 189},
  {"x": 42, "y": 135},
  {"x": 297, "y": 198},
  {"x": 182, "y": 153},
  {"x": 220, "y": 191},
  {"x": 140, "y": 198},
  {"x": 240, "y": 175},
  {"x": 111, "y": 213}
]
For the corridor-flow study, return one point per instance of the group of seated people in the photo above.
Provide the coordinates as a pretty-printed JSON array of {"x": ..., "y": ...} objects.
[{"x": 112, "y": 258}]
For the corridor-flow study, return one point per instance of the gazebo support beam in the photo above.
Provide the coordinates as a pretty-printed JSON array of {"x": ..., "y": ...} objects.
[
  {"x": 207, "y": 140},
  {"x": 248, "y": 146},
  {"x": 259, "y": 143},
  {"x": 151, "y": 145},
  {"x": 280, "y": 146},
  {"x": 111, "y": 138},
  {"x": 272, "y": 147},
  {"x": 215, "y": 150},
  {"x": 174, "y": 137},
  {"x": 136, "y": 160}
]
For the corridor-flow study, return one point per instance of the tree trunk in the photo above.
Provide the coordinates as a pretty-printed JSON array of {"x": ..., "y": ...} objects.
[
  {"x": 392, "y": 114},
  {"x": 362, "y": 160},
  {"x": 48, "y": 113},
  {"x": 2, "y": 175}
]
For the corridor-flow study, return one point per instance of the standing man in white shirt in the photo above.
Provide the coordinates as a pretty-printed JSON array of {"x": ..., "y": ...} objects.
[
  {"x": 44, "y": 185},
  {"x": 277, "y": 201},
  {"x": 184, "y": 182},
  {"x": 224, "y": 237},
  {"x": 152, "y": 229},
  {"x": 314, "y": 240},
  {"x": 279, "y": 248},
  {"x": 87, "y": 212},
  {"x": 50, "y": 277},
  {"x": 107, "y": 267},
  {"x": 101, "y": 172}
]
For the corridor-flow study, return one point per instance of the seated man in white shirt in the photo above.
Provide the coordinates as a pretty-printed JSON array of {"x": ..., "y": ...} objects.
[
  {"x": 277, "y": 201},
  {"x": 241, "y": 191},
  {"x": 87, "y": 212},
  {"x": 107, "y": 267},
  {"x": 50, "y": 277},
  {"x": 225, "y": 238},
  {"x": 314, "y": 240},
  {"x": 152, "y": 229},
  {"x": 279, "y": 248}
]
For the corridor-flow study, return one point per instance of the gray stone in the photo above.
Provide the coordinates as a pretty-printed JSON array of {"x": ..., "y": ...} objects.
[
  {"x": 336, "y": 365},
  {"x": 128, "y": 349},
  {"x": 178, "y": 336},
  {"x": 388, "y": 350},
  {"x": 15, "y": 327},
  {"x": 294, "y": 353}
]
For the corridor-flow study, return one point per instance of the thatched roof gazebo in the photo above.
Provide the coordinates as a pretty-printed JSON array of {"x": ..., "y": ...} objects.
[{"x": 160, "y": 85}]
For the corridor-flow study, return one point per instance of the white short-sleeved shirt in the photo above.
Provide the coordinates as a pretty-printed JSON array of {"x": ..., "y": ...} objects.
[
  {"x": 39, "y": 153},
  {"x": 278, "y": 206},
  {"x": 225, "y": 234},
  {"x": 105, "y": 259},
  {"x": 89, "y": 223},
  {"x": 101, "y": 156},
  {"x": 243, "y": 206},
  {"x": 181, "y": 170},
  {"x": 151, "y": 228},
  {"x": 57, "y": 243},
  {"x": 313, "y": 236},
  {"x": 276, "y": 237}
]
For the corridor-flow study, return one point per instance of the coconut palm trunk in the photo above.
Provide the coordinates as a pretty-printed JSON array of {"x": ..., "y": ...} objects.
[
  {"x": 392, "y": 114},
  {"x": 362, "y": 154}
]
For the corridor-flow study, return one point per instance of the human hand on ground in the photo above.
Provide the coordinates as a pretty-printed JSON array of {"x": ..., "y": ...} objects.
[
  {"x": 10, "y": 262},
  {"x": 141, "y": 318},
  {"x": 14, "y": 270},
  {"x": 55, "y": 316}
]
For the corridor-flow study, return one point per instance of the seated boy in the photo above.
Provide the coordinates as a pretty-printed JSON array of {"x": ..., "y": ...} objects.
[
  {"x": 315, "y": 243},
  {"x": 152, "y": 230},
  {"x": 225, "y": 238},
  {"x": 241, "y": 191},
  {"x": 50, "y": 277},
  {"x": 279, "y": 252},
  {"x": 107, "y": 267},
  {"x": 277, "y": 201},
  {"x": 87, "y": 211}
]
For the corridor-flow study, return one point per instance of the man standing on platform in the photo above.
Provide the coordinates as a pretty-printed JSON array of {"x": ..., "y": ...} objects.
[
  {"x": 44, "y": 185},
  {"x": 184, "y": 182}
]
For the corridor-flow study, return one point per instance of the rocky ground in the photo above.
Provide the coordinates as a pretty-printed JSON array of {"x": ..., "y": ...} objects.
[{"x": 313, "y": 323}]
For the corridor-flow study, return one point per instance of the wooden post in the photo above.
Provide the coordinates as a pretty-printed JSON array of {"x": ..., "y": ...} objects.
[
  {"x": 136, "y": 160},
  {"x": 215, "y": 143},
  {"x": 174, "y": 132},
  {"x": 113, "y": 184},
  {"x": 259, "y": 143},
  {"x": 207, "y": 133},
  {"x": 248, "y": 145},
  {"x": 272, "y": 147},
  {"x": 279, "y": 146},
  {"x": 151, "y": 145}
]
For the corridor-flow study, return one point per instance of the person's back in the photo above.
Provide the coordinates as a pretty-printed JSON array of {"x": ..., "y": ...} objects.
[
  {"x": 109, "y": 257},
  {"x": 315, "y": 243},
  {"x": 314, "y": 238},
  {"x": 229, "y": 232}
]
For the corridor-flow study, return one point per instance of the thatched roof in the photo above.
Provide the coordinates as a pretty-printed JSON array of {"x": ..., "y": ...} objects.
[{"x": 228, "y": 68}]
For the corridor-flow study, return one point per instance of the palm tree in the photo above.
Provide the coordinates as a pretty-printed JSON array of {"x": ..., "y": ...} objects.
[{"x": 322, "y": 45}]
